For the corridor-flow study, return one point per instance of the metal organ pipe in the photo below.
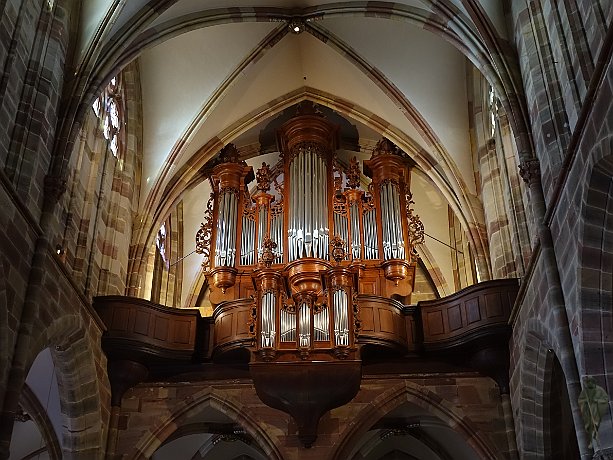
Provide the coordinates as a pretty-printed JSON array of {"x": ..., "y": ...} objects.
[
  {"x": 305, "y": 325},
  {"x": 398, "y": 225},
  {"x": 355, "y": 231},
  {"x": 288, "y": 326},
  {"x": 341, "y": 320},
  {"x": 231, "y": 257},
  {"x": 370, "y": 234},
  {"x": 247, "y": 250},
  {"x": 308, "y": 229},
  {"x": 321, "y": 325},
  {"x": 268, "y": 320},
  {"x": 393, "y": 245}
]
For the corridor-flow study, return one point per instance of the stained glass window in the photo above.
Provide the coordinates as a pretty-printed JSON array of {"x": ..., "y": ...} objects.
[{"x": 107, "y": 107}]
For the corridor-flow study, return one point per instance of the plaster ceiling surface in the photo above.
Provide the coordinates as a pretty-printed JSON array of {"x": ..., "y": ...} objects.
[
  {"x": 177, "y": 79},
  {"x": 91, "y": 15},
  {"x": 430, "y": 73},
  {"x": 293, "y": 64}
]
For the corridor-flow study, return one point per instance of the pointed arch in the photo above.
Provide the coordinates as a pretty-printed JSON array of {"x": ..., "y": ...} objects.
[
  {"x": 420, "y": 396},
  {"x": 596, "y": 275},
  {"x": 163, "y": 198},
  {"x": 208, "y": 397}
]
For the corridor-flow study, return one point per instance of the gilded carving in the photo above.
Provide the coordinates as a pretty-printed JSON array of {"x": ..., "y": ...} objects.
[
  {"x": 203, "y": 236},
  {"x": 353, "y": 173},
  {"x": 263, "y": 178}
]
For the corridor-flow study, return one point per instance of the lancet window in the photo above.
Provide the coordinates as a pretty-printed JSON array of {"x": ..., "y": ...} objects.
[{"x": 107, "y": 108}]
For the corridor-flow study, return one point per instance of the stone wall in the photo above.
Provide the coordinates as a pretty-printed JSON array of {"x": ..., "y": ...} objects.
[
  {"x": 563, "y": 311},
  {"x": 470, "y": 405}
]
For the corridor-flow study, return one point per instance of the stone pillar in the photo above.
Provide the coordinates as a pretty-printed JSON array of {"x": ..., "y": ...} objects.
[{"x": 530, "y": 172}]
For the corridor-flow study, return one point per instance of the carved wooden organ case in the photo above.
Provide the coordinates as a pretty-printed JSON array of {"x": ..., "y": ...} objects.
[{"x": 304, "y": 243}]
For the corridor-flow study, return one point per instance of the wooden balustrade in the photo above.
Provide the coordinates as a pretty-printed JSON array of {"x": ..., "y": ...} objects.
[
  {"x": 153, "y": 330},
  {"x": 139, "y": 327},
  {"x": 468, "y": 314}
]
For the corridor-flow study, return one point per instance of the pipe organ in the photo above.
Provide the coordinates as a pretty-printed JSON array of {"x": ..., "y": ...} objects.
[{"x": 307, "y": 237}]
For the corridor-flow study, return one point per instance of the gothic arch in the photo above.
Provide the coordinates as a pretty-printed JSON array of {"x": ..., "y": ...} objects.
[
  {"x": 445, "y": 20},
  {"x": 82, "y": 398},
  {"x": 161, "y": 199},
  {"x": 209, "y": 397},
  {"x": 541, "y": 370},
  {"x": 5, "y": 349},
  {"x": 596, "y": 273},
  {"x": 422, "y": 397}
]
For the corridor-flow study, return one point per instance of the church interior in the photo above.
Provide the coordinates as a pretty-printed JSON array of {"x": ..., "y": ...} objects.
[{"x": 306, "y": 229}]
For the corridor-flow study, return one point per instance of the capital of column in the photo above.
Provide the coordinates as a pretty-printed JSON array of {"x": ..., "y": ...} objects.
[
  {"x": 530, "y": 171},
  {"x": 54, "y": 187}
]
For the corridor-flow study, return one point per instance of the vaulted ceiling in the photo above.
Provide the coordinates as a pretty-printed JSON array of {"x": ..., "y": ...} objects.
[{"x": 217, "y": 71}]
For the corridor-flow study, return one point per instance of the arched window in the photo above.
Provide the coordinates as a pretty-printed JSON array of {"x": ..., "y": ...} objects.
[
  {"x": 492, "y": 103},
  {"x": 108, "y": 109}
]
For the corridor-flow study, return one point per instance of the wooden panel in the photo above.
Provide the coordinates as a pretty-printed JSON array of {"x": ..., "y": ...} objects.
[
  {"x": 493, "y": 305},
  {"x": 141, "y": 322},
  {"x": 160, "y": 331},
  {"x": 223, "y": 327},
  {"x": 473, "y": 314},
  {"x": 386, "y": 321},
  {"x": 382, "y": 322},
  {"x": 454, "y": 317},
  {"x": 242, "y": 322},
  {"x": 182, "y": 332},
  {"x": 368, "y": 287},
  {"x": 368, "y": 319},
  {"x": 434, "y": 322},
  {"x": 121, "y": 317},
  {"x": 232, "y": 324}
]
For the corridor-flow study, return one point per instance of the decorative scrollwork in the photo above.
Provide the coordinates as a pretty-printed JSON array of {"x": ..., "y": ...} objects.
[
  {"x": 385, "y": 147},
  {"x": 263, "y": 178},
  {"x": 338, "y": 248},
  {"x": 229, "y": 154},
  {"x": 353, "y": 173},
  {"x": 394, "y": 182},
  {"x": 228, "y": 189},
  {"x": 287, "y": 304},
  {"x": 279, "y": 189},
  {"x": 307, "y": 146},
  {"x": 248, "y": 206},
  {"x": 253, "y": 317},
  {"x": 268, "y": 253},
  {"x": 368, "y": 202},
  {"x": 416, "y": 226},
  {"x": 357, "y": 323},
  {"x": 203, "y": 236},
  {"x": 339, "y": 204}
]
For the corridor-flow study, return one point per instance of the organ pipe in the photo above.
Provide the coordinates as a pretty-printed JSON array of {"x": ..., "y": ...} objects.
[{"x": 268, "y": 326}]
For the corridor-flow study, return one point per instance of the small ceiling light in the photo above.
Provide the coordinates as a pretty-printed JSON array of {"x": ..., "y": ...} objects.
[{"x": 296, "y": 26}]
